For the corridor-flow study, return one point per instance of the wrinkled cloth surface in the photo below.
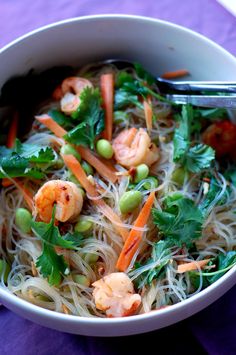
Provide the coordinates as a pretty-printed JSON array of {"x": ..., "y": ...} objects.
[{"x": 211, "y": 331}]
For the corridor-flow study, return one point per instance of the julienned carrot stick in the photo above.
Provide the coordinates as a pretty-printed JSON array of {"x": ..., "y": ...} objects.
[
  {"x": 28, "y": 197},
  {"x": 100, "y": 166},
  {"x": 74, "y": 165},
  {"x": 175, "y": 74},
  {"x": 192, "y": 266},
  {"x": 11, "y": 138},
  {"x": 85, "y": 153},
  {"x": 107, "y": 92},
  {"x": 12, "y": 134},
  {"x": 135, "y": 237},
  {"x": 148, "y": 113},
  {"x": 47, "y": 121}
]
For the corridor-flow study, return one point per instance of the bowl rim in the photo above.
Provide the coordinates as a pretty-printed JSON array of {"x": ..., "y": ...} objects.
[{"x": 32, "y": 308}]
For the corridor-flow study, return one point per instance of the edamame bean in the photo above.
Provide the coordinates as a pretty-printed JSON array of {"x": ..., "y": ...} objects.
[
  {"x": 83, "y": 225},
  {"x": 91, "y": 258},
  {"x": 104, "y": 148},
  {"x": 129, "y": 201},
  {"x": 141, "y": 173},
  {"x": 87, "y": 168},
  {"x": 23, "y": 220},
  {"x": 152, "y": 183},
  {"x": 69, "y": 149},
  {"x": 81, "y": 279},
  {"x": 179, "y": 175},
  {"x": 4, "y": 268}
]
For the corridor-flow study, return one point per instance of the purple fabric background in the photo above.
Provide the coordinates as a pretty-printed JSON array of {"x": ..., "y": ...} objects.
[{"x": 211, "y": 331}]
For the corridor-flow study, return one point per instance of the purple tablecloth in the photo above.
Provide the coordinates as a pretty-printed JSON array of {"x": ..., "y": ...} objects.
[{"x": 211, "y": 331}]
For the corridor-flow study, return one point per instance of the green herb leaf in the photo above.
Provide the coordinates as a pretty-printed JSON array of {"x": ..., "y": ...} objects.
[
  {"x": 123, "y": 98},
  {"x": 143, "y": 74},
  {"x": 182, "y": 134},
  {"x": 196, "y": 158},
  {"x": 19, "y": 161},
  {"x": 147, "y": 272},
  {"x": 213, "y": 197},
  {"x": 91, "y": 116},
  {"x": 50, "y": 263},
  {"x": 180, "y": 221},
  {"x": 224, "y": 262},
  {"x": 34, "y": 153},
  {"x": 199, "y": 158}
]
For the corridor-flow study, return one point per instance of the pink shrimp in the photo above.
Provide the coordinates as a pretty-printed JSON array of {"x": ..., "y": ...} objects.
[
  {"x": 115, "y": 295},
  {"x": 133, "y": 147}
]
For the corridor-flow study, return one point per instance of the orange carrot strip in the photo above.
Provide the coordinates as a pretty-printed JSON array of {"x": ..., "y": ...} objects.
[
  {"x": 12, "y": 131},
  {"x": 28, "y": 197},
  {"x": 192, "y": 266},
  {"x": 107, "y": 92},
  {"x": 85, "y": 153},
  {"x": 52, "y": 125},
  {"x": 74, "y": 165},
  {"x": 175, "y": 74},
  {"x": 103, "y": 169},
  {"x": 135, "y": 237},
  {"x": 148, "y": 113},
  {"x": 11, "y": 137}
]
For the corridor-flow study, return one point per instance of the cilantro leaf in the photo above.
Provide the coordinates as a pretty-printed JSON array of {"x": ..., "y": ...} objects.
[
  {"x": 14, "y": 165},
  {"x": 195, "y": 158},
  {"x": 50, "y": 263},
  {"x": 91, "y": 117},
  {"x": 198, "y": 158},
  {"x": 123, "y": 98},
  {"x": 213, "y": 197},
  {"x": 224, "y": 262},
  {"x": 182, "y": 134},
  {"x": 180, "y": 221},
  {"x": 154, "y": 267},
  {"x": 143, "y": 74},
  {"x": 34, "y": 153},
  {"x": 19, "y": 161}
]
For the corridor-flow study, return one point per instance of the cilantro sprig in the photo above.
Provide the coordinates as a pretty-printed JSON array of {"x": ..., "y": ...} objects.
[
  {"x": 90, "y": 116},
  {"x": 23, "y": 160},
  {"x": 180, "y": 221},
  {"x": 193, "y": 158},
  {"x": 52, "y": 265}
]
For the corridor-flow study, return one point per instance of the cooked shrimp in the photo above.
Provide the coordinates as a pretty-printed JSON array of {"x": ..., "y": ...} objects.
[
  {"x": 69, "y": 92},
  {"x": 133, "y": 147},
  {"x": 222, "y": 137},
  {"x": 115, "y": 295},
  {"x": 64, "y": 194}
]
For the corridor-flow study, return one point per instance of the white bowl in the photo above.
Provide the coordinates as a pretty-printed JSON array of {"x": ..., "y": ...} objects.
[{"x": 160, "y": 47}]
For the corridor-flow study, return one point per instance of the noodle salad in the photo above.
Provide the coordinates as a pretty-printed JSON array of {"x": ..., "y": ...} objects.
[{"x": 115, "y": 201}]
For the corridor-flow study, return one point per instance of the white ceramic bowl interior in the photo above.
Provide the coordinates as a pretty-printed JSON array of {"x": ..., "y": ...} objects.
[{"x": 160, "y": 47}]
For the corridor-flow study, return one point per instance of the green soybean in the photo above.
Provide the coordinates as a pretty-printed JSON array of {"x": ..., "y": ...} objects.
[
  {"x": 152, "y": 183},
  {"x": 69, "y": 149},
  {"x": 104, "y": 148},
  {"x": 81, "y": 279},
  {"x": 87, "y": 168},
  {"x": 83, "y": 225},
  {"x": 4, "y": 269},
  {"x": 141, "y": 173},
  {"x": 23, "y": 220},
  {"x": 129, "y": 201},
  {"x": 179, "y": 175},
  {"x": 91, "y": 258}
]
